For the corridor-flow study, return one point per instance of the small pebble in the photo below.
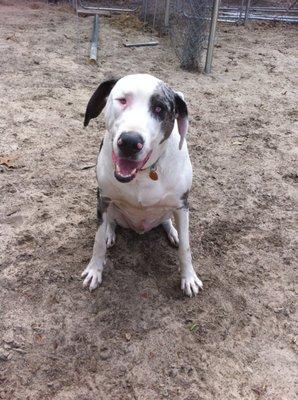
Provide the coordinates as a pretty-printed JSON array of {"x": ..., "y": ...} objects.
[
  {"x": 4, "y": 355},
  {"x": 105, "y": 354},
  {"x": 173, "y": 372}
]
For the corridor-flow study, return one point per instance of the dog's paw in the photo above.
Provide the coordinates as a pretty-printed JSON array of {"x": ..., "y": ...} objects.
[
  {"x": 92, "y": 275},
  {"x": 173, "y": 237},
  {"x": 191, "y": 284}
]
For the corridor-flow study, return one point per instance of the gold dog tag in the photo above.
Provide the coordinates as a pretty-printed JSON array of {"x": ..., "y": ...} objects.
[{"x": 153, "y": 175}]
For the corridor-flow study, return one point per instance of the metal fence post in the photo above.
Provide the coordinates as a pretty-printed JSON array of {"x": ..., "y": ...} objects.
[
  {"x": 167, "y": 14},
  {"x": 247, "y": 11},
  {"x": 212, "y": 36}
]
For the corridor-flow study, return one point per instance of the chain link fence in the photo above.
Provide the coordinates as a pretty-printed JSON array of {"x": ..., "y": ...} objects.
[
  {"x": 261, "y": 10},
  {"x": 188, "y": 29},
  {"x": 188, "y": 21}
]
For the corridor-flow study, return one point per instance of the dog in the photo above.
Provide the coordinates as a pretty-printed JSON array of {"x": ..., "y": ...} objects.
[{"x": 143, "y": 169}]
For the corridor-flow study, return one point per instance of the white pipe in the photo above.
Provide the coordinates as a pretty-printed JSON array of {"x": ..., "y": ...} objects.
[{"x": 94, "y": 39}]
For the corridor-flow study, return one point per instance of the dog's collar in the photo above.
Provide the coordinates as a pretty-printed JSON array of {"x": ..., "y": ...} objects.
[{"x": 152, "y": 170}]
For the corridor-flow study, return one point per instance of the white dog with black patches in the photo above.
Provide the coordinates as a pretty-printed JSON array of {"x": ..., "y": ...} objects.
[{"x": 143, "y": 170}]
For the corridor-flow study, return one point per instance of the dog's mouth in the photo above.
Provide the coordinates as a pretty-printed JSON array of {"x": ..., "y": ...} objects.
[{"x": 126, "y": 169}]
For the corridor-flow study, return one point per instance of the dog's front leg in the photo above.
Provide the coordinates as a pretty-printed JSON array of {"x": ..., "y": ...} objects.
[
  {"x": 190, "y": 283},
  {"x": 93, "y": 272}
]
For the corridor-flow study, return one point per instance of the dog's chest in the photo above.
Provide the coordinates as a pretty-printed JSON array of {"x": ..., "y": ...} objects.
[
  {"x": 144, "y": 207},
  {"x": 140, "y": 218}
]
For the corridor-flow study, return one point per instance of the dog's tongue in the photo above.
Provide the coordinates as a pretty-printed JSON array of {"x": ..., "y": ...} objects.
[{"x": 127, "y": 167}]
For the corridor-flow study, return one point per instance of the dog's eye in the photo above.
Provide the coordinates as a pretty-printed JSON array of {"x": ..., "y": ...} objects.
[
  {"x": 122, "y": 101},
  {"x": 157, "y": 110}
]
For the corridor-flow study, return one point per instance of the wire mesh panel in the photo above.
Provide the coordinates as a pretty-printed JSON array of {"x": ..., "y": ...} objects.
[
  {"x": 270, "y": 10},
  {"x": 188, "y": 30},
  {"x": 260, "y": 3},
  {"x": 153, "y": 14},
  {"x": 188, "y": 23}
]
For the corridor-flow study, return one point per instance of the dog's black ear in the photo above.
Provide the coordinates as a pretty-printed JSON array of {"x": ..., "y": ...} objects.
[
  {"x": 98, "y": 100},
  {"x": 182, "y": 116}
]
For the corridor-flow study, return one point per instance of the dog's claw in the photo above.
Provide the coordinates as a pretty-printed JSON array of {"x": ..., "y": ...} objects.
[
  {"x": 173, "y": 237},
  {"x": 92, "y": 275},
  {"x": 110, "y": 235},
  {"x": 110, "y": 241},
  {"x": 191, "y": 285},
  {"x": 171, "y": 232}
]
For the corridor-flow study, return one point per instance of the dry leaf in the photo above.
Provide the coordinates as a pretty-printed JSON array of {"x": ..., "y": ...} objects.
[
  {"x": 128, "y": 336},
  {"x": 7, "y": 160}
]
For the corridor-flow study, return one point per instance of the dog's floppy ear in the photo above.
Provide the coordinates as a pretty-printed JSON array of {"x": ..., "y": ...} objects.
[
  {"x": 98, "y": 100},
  {"x": 182, "y": 116}
]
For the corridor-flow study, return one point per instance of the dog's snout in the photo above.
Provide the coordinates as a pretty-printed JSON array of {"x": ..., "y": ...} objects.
[{"x": 130, "y": 143}]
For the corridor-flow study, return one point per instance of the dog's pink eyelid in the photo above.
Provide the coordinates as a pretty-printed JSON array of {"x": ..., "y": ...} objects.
[
  {"x": 122, "y": 101},
  {"x": 157, "y": 109}
]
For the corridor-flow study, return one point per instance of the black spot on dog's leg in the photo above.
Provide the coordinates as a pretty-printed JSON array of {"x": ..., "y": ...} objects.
[
  {"x": 102, "y": 205},
  {"x": 100, "y": 146},
  {"x": 184, "y": 199}
]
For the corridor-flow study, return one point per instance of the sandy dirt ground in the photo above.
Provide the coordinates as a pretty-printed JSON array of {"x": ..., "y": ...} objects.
[{"x": 137, "y": 336}]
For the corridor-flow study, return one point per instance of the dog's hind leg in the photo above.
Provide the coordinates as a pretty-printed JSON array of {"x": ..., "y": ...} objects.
[
  {"x": 171, "y": 232},
  {"x": 93, "y": 271}
]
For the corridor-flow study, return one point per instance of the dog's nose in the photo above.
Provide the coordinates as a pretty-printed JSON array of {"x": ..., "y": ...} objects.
[{"x": 130, "y": 143}]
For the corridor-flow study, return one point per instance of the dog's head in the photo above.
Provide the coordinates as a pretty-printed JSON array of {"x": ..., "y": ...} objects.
[{"x": 140, "y": 115}]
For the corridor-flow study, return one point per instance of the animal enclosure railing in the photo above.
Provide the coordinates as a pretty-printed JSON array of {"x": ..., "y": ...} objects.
[{"x": 191, "y": 24}]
